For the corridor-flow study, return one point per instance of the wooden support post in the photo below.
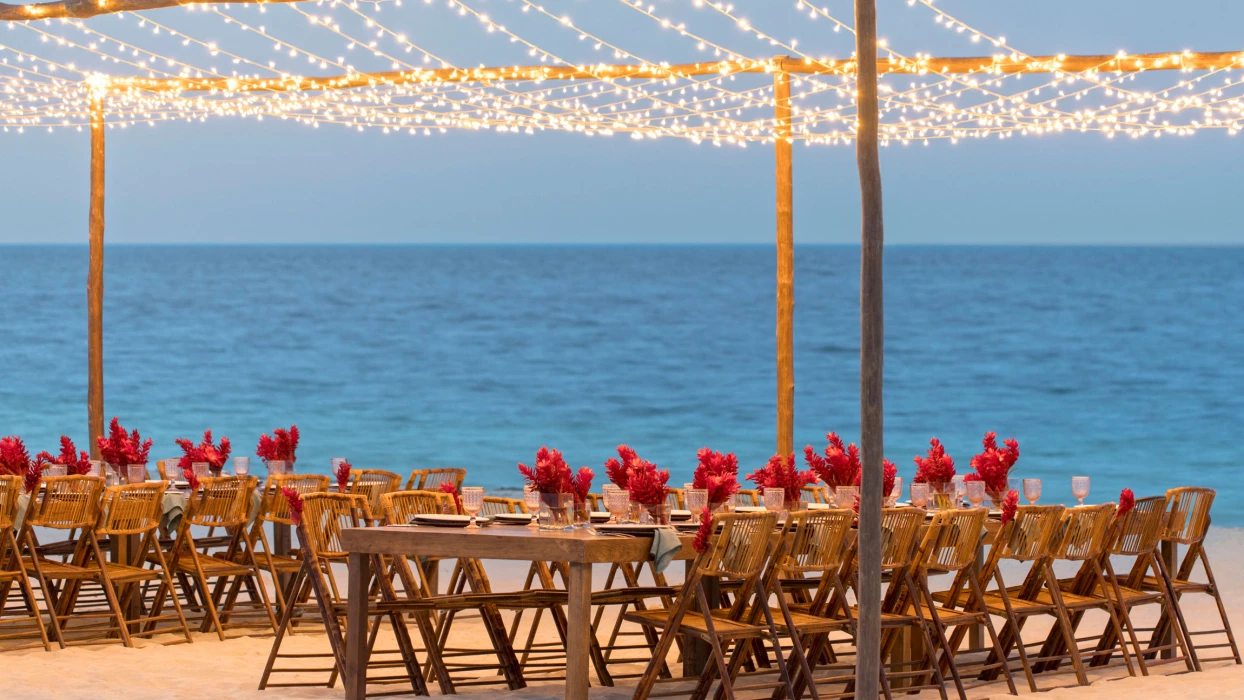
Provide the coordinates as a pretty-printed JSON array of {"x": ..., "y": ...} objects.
[
  {"x": 872, "y": 336},
  {"x": 95, "y": 280},
  {"x": 785, "y": 261}
]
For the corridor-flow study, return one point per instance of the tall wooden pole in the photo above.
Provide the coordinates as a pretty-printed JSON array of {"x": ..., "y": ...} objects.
[
  {"x": 785, "y": 262},
  {"x": 95, "y": 280},
  {"x": 872, "y": 348}
]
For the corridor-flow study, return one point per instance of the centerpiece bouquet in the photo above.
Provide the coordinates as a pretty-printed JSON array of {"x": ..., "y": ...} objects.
[
  {"x": 840, "y": 465},
  {"x": 343, "y": 476},
  {"x": 618, "y": 470},
  {"x": 649, "y": 488},
  {"x": 278, "y": 451},
  {"x": 582, "y": 486},
  {"x": 121, "y": 450},
  {"x": 937, "y": 469},
  {"x": 76, "y": 462},
  {"x": 552, "y": 478},
  {"x": 14, "y": 458},
  {"x": 993, "y": 466},
  {"x": 719, "y": 475},
  {"x": 205, "y": 452},
  {"x": 780, "y": 473}
]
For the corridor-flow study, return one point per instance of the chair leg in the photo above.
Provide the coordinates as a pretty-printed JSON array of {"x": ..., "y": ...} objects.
[
  {"x": 993, "y": 634},
  {"x": 652, "y": 671},
  {"x": 286, "y": 618},
  {"x": 1222, "y": 611},
  {"x": 1063, "y": 620},
  {"x": 1116, "y": 625},
  {"x": 111, "y": 593}
]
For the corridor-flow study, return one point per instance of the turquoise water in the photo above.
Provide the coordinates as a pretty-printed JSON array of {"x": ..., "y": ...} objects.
[{"x": 1120, "y": 363}]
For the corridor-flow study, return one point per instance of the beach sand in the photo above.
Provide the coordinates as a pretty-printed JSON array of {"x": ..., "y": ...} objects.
[{"x": 209, "y": 668}]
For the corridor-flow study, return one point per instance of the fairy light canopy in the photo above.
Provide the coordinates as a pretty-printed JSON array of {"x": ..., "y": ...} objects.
[{"x": 697, "y": 70}]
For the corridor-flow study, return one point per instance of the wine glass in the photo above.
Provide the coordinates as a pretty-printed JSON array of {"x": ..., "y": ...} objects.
[
  {"x": 772, "y": 499},
  {"x": 844, "y": 496},
  {"x": 531, "y": 499},
  {"x": 895, "y": 493},
  {"x": 472, "y": 501},
  {"x": 920, "y": 495},
  {"x": 618, "y": 502},
  {"x": 959, "y": 482},
  {"x": 697, "y": 501},
  {"x": 1080, "y": 488},
  {"x": 1032, "y": 491},
  {"x": 241, "y": 466},
  {"x": 976, "y": 493}
]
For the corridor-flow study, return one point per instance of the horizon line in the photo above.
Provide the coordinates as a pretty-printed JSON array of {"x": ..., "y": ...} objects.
[{"x": 602, "y": 244}]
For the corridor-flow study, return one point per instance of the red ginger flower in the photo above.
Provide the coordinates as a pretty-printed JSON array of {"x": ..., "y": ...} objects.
[
  {"x": 205, "y": 451},
  {"x": 14, "y": 458},
  {"x": 937, "y": 467},
  {"x": 32, "y": 476},
  {"x": 841, "y": 464},
  {"x": 295, "y": 504},
  {"x": 717, "y": 473},
  {"x": 192, "y": 479},
  {"x": 702, "y": 535},
  {"x": 889, "y": 474},
  {"x": 583, "y": 484},
  {"x": 618, "y": 471},
  {"x": 993, "y": 466},
  {"x": 1127, "y": 501},
  {"x": 281, "y": 447},
  {"x": 550, "y": 474},
  {"x": 1010, "y": 506},
  {"x": 780, "y": 473},
  {"x": 648, "y": 485},
  {"x": 76, "y": 461},
  {"x": 121, "y": 448},
  {"x": 451, "y": 488},
  {"x": 343, "y": 476}
]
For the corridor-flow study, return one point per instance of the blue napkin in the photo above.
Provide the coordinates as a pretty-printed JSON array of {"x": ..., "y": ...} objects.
[{"x": 665, "y": 545}]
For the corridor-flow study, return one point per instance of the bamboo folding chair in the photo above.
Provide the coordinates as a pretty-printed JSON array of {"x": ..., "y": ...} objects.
[
  {"x": 746, "y": 498},
  {"x": 222, "y": 502},
  {"x": 675, "y": 500},
  {"x": 1084, "y": 537},
  {"x": 324, "y": 516},
  {"x": 1136, "y": 536},
  {"x": 431, "y": 479},
  {"x": 738, "y": 552},
  {"x": 274, "y": 509},
  {"x": 12, "y": 572},
  {"x": 373, "y": 483},
  {"x": 814, "y": 493},
  {"x": 1187, "y": 523}
]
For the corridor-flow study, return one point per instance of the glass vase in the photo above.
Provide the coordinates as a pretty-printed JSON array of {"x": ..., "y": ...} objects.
[
  {"x": 657, "y": 513},
  {"x": 942, "y": 496},
  {"x": 719, "y": 507},
  {"x": 278, "y": 467},
  {"x": 556, "y": 511},
  {"x": 582, "y": 515}
]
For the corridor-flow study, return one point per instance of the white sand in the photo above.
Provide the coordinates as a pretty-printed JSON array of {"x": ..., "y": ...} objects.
[{"x": 213, "y": 669}]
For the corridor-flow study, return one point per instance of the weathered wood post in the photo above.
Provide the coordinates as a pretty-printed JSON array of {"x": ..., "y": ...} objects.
[
  {"x": 785, "y": 259},
  {"x": 95, "y": 273},
  {"x": 872, "y": 337}
]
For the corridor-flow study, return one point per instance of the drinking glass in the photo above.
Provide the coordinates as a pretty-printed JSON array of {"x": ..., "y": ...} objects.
[
  {"x": 200, "y": 469},
  {"x": 335, "y": 462},
  {"x": 976, "y": 493},
  {"x": 1032, "y": 491},
  {"x": 844, "y": 496},
  {"x": 137, "y": 473},
  {"x": 58, "y": 470},
  {"x": 97, "y": 467},
  {"x": 772, "y": 499},
  {"x": 895, "y": 493},
  {"x": 1080, "y": 488},
  {"x": 697, "y": 501},
  {"x": 276, "y": 467},
  {"x": 920, "y": 495},
  {"x": 618, "y": 503},
  {"x": 959, "y": 481},
  {"x": 472, "y": 501},
  {"x": 241, "y": 466},
  {"x": 531, "y": 499}
]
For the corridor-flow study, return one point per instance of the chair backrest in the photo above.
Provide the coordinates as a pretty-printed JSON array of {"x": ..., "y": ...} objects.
[
  {"x": 401, "y": 506},
  {"x": 1031, "y": 535},
  {"x": 431, "y": 479},
  {"x": 10, "y": 489},
  {"x": 1140, "y": 529},
  {"x": 952, "y": 539},
  {"x": 746, "y": 497},
  {"x": 223, "y": 501},
  {"x": 740, "y": 549},
  {"x": 131, "y": 509},
  {"x": 1083, "y": 531},
  {"x": 1188, "y": 519},
  {"x": 595, "y": 502},
  {"x": 815, "y": 541},
  {"x": 373, "y": 483},
  {"x": 900, "y": 528},
  {"x": 494, "y": 505},
  {"x": 813, "y": 493},
  {"x": 675, "y": 499},
  {"x": 275, "y": 508},
  {"x": 324, "y": 516},
  {"x": 67, "y": 503}
]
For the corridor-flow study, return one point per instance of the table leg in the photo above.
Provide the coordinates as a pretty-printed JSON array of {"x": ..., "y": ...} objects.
[
  {"x": 696, "y": 653},
  {"x": 578, "y": 637},
  {"x": 1170, "y": 554},
  {"x": 282, "y": 543},
  {"x": 355, "y": 677}
]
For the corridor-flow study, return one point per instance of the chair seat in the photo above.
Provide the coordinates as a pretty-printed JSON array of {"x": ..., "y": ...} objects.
[
  {"x": 58, "y": 570},
  {"x": 1130, "y": 595},
  {"x": 1071, "y": 600},
  {"x": 996, "y": 606},
  {"x": 283, "y": 563},
  {"x": 888, "y": 619},
  {"x": 693, "y": 623},
  {"x": 124, "y": 573},
  {"x": 617, "y": 596},
  {"x": 1153, "y": 584},
  {"x": 807, "y": 624},
  {"x": 212, "y": 566}
]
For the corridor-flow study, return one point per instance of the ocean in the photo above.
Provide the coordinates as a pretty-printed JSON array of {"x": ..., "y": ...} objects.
[{"x": 1123, "y": 364}]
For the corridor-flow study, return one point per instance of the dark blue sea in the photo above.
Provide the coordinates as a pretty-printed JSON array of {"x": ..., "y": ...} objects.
[{"x": 1124, "y": 364}]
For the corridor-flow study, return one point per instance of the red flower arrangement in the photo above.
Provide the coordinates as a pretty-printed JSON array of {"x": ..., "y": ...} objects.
[
  {"x": 583, "y": 484},
  {"x": 1010, "y": 506},
  {"x": 343, "y": 476},
  {"x": 1127, "y": 501},
  {"x": 121, "y": 448},
  {"x": 993, "y": 466},
  {"x": 717, "y": 473},
  {"x": 76, "y": 461},
  {"x": 14, "y": 458},
  {"x": 648, "y": 484},
  {"x": 451, "y": 488},
  {"x": 192, "y": 479},
  {"x": 889, "y": 473},
  {"x": 937, "y": 467},
  {"x": 214, "y": 455},
  {"x": 700, "y": 543},
  {"x": 281, "y": 447},
  {"x": 780, "y": 473},
  {"x": 34, "y": 473},
  {"x": 841, "y": 464},
  {"x": 618, "y": 472},
  {"x": 550, "y": 474},
  {"x": 295, "y": 504}
]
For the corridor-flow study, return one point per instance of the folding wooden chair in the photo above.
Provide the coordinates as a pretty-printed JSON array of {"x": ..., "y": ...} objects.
[
  {"x": 813, "y": 493},
  {"x": 746, "y": 498},
  {"x": 431, "y": 479},
  {"x": 274, "y": 509},
  {"x": 12, "y": 572},
  {"x": 739, "y": 552},
  {"x": 1187, "y": 523},
  {"x": 373, "y": 483}
]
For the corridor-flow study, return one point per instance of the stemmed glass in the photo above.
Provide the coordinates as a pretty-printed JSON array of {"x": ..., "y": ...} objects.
[
  {"x": 697, "y": 501},
  {"x": 1032, "y": 491},
  {"x": 531, "y": 499},
  {"x": 772, "y": 499},
  {"x": 1080, "y": 488},
  {"x": 895, "y": 493},
  {"x": 241, "y": 466},
  {"x": 959, "y": 481},
  {"x": 920, "y": 495},
  {"x": 472, "y": 501},
  {"x": 976, "y": 493},
  {"x": 618, "y": 502}
]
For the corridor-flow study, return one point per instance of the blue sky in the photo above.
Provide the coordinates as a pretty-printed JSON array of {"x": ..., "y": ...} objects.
[{"x": 233, "y": 180}]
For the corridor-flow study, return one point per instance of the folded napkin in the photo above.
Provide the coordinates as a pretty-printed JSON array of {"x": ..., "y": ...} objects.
[{"x": 665, "y": 544}]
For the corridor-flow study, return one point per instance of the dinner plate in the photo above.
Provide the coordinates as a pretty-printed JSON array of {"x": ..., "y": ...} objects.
[
  {"x": 749, "y": 509},
  {"x": 449, "y": 520},
  {"x": 600, "y": 517},
  {"x": 628, "y": 528},
  {"x": 680, "y": 515},
  {"x": 513, "y": 518}
]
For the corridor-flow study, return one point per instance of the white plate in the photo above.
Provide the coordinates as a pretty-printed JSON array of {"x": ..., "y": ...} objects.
[
  {"x": 631, "y": 528},
  {"x": 522, "y": 518},
  {"x": 819, "y": 506},
  {"x": 447, "y": 520},
  {"x": 600, "y": 517},
  {"x": 680, "y": 515},
  {"x": 749, "y": 509}
]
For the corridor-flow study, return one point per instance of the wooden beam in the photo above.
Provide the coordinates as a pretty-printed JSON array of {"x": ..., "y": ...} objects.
[
  {"x": 954, "y": 65},
  {"x": 82, "y": 9},
  {"x": 95, "y": 280},
  {"x": 872, "y": 337},
  {"x": 785, "y": 263}
]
